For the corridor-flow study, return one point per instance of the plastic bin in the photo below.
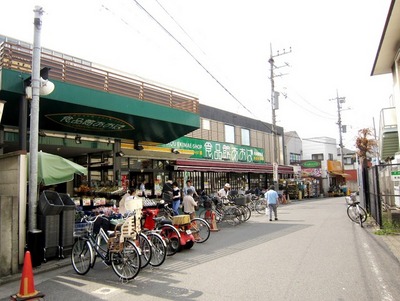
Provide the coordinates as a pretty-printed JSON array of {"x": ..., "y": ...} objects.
[
  {"x": 50, "y": 203},
  {"x": 50, "y": 226},
  {"x": 67, "y": 223}
]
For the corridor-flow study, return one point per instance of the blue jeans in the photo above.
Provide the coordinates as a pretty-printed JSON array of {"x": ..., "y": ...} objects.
[{"x": 175, "y": 206}]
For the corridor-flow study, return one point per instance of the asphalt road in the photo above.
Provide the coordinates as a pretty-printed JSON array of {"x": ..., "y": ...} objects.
[{"x": 314, "y": 252}]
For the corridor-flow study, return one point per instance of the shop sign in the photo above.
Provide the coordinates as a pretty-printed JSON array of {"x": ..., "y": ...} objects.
[
  {"x": 395, "y": 175},
  {"x": 310, "y": 164},
  {"x": 218, "y": 151},
  {"x": 311, "y": 168},
  {"x": 91, "y": 122}
]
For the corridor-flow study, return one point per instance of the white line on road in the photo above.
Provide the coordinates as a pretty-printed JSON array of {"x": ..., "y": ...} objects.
[{"x": 385, "y": 294}]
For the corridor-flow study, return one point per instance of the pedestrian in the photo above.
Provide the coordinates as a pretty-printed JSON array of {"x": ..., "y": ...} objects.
[
  {"x": 143, "y": 189},
  {"x": 189, "y": 204},
  {"x": 224, "y": 191},
  {"x": 130, "y": 201},
  {"x": 176, "y": 198},
  {"x": 272, "y": 200},
  {"x": 121, "y": 204},
  {"x": 190, "y": 186},
  {"x": 167, "y": 192}
]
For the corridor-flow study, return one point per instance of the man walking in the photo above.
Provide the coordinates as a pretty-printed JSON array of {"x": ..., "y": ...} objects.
[{"x": 272, "y": 200}]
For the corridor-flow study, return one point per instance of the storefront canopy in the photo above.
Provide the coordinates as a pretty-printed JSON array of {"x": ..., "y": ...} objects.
[
  {"x": 208, "y": 165},
  {"x": 75, "y": 109}
]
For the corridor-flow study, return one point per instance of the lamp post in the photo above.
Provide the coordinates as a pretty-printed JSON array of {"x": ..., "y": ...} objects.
[{"x": 34, "y": 121}]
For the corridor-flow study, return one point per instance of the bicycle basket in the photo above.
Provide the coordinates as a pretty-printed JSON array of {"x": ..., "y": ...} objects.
[{"x": 81, "y": 229}]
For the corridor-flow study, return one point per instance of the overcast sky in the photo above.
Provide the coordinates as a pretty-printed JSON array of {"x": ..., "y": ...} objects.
[{"x": 218, "y": 50}]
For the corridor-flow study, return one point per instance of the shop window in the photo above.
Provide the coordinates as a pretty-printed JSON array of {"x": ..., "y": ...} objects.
[
  {"x": 229, "y": 133},
  {"x": 245, "y": 137}
]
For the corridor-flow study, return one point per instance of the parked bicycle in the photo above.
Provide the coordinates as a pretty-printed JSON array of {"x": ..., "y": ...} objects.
[
  {"x": 223, "y": 210},
  {"x": 257, "y": 203},
  {"x": 355, "y": 212},
  {"x": 116, "y": 248}
]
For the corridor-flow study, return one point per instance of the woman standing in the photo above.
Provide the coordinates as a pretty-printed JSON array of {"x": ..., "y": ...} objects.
[{"x": 176, "y": 198}]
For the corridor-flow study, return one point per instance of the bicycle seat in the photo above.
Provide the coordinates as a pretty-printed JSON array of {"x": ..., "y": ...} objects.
[{"x": 162, "y": 221}]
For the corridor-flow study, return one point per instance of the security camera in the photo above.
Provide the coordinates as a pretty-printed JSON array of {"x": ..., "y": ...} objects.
[{"x": 175, "y": 151}]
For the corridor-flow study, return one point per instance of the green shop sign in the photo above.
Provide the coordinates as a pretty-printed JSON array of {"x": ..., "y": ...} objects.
[
  {"x": 218, "y": 151},
  {"x": 310, "y": 164},
  {"x": 93, "y": 122}
]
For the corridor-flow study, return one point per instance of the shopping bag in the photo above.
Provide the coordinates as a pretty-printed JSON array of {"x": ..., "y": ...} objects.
[{"x": 267, "y": 210}]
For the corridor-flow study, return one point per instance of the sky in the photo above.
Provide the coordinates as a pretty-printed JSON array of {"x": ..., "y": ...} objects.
[{"x": 218, "y": 50}]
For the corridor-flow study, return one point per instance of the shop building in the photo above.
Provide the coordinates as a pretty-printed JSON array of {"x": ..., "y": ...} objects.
[{"x": 126, "y": 131}]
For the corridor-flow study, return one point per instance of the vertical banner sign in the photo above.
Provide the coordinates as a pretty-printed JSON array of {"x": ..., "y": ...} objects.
[{"x": 275, "y": 167}]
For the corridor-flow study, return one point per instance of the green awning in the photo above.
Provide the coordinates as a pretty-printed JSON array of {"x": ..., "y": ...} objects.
[{"x": 75, "y": 109}]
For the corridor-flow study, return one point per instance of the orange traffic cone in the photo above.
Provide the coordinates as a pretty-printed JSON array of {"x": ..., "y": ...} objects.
[
  {"x": 27, "y": 288},
  {"x": 210, "y": 218}
]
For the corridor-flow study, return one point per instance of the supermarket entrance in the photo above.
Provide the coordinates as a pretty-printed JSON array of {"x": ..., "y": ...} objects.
[{"x": 137, "y": 178}]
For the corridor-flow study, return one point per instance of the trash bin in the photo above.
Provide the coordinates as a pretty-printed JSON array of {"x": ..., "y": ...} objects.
[
  {"x": 67, "y": 223},
  {"x": 35, "y": 245},
  {"x": 50, "y": 207}
]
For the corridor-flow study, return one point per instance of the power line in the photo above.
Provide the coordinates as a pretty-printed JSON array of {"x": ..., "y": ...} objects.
[{"x": 204, "y": 68}]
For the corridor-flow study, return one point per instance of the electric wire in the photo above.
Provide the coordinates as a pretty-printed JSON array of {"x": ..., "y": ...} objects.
[{"x": 268, "y": 126}]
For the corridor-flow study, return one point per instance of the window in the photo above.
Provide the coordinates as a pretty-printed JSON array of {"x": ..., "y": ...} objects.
[
  {"x": 294, "y": 158},
  {"x": 206, "y": 124},
  {"x": 330, "y": 156},
  {"x": 348, "y": 161},
  {"x": 229, "y": 134},
  {"x": 245, "y": 137},
  {"x": 317, "y": 157}
]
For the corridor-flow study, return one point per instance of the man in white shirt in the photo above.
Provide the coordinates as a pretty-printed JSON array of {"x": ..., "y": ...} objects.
[{"x": 224, "y": 192}]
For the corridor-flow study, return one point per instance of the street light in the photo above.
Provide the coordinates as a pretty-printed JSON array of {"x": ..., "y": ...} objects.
[{"x": 38, "y": 84}]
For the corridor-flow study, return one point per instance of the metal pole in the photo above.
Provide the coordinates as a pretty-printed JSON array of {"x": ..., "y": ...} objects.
[{"x": 34, "y": 123}]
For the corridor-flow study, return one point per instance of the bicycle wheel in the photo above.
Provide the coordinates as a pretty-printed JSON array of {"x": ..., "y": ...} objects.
[
  {"x": 353, "y": 214},
  {"x": 172, "y": 238},
  {"x": 246, "y": 212},
  {"x": 362, "y": 215},
  {"x": 261, "y": 205},
  {"x": 81, "y": 256},
  {"x": 233, "y": 215},
  {"x": 126, "y": 263},
  {"x": 159, "y": 249},
  {"x": 146, "y": 250},
  {"x": 200, "y": 229}
]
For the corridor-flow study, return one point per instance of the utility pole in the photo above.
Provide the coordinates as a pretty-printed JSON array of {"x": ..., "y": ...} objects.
[
  {"x": 275, "y": 106},
  {"x": 339, "y": 102}
]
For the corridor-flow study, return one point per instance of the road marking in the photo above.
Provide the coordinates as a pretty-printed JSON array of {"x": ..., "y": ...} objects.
[{"x": 385, "y": 294}]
